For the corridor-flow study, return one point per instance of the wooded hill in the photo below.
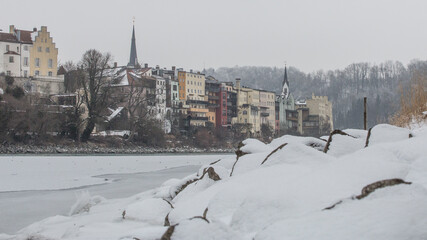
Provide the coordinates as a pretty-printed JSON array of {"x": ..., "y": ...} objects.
[{"x": 380, "y": 83}]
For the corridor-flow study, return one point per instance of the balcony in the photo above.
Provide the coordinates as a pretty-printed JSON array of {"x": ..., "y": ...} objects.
[
  {"x": 199, "y": 119},
  {"x": 196, "y": 102},
  {"x": 265, "y": 114},
  {"x": 210, "y": 97},
  {"x": 210, "y": 105},
  {"x": 198, "y": 110}
]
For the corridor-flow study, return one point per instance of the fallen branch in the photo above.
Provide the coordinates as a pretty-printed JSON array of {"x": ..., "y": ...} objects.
[
  {"x": 380, "y": 184},
  {"x": 275, "y": 150},
  {"x": 239, "y": 153},
  {"x": 368, "y": 189},
  {"x": 336, "y": 131},
  {"x": 168, "y": 234}
]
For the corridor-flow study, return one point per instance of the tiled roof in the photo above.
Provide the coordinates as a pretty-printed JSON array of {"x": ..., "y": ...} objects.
[
  {"x": 26, "y": 36},
  {"x": 7, "y": 37}
]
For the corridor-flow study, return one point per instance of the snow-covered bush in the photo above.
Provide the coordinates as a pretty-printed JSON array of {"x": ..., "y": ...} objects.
[{"x": 84, "y": 202}]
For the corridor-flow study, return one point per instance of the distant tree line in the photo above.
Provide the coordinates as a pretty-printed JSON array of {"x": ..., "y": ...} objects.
[{"x": 345, "y": 88}]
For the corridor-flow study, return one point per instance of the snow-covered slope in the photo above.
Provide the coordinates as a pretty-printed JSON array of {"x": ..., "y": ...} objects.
[{"x": 289, "y": 189}]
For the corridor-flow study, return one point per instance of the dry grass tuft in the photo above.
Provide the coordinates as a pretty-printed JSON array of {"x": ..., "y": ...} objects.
[{"x": 413, "y": 102}]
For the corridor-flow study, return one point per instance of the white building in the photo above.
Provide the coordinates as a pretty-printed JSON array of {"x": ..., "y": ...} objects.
[
  {"x": 15, "y": 49},
  {"x": 159, "y": 109}
]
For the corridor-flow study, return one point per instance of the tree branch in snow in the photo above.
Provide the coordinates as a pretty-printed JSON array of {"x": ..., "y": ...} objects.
[
  {"x": 275, "y": 150},
  {"x": 168, "y": 234},
  {"x": 168, "y": 202},
  {"x": 368, "y": 189},
  {"x": 367, "y": 137},
  {"x": 380, "y": 184},
  {"x": 336, "y": 131},
  {"x": 239, "y": 153},
  {"x": 211, "y": 174},
  {"x": 212, "y": 163}
]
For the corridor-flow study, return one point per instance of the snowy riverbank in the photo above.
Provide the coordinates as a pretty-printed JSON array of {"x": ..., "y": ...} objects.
[{"x": 358, "y": 185}]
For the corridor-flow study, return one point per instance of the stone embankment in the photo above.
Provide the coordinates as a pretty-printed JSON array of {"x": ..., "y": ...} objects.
[{"x": 58, "y": 149}]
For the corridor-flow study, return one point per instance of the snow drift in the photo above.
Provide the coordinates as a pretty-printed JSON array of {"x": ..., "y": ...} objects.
[{"x": 292, "y": 188}]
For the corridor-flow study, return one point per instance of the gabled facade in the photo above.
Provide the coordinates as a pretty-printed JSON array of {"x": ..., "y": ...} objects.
[{"x": 43, "y": 55}]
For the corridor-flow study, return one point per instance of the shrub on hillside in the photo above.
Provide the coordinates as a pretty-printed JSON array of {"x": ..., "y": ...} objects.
[{"x": 413, "y": 102}]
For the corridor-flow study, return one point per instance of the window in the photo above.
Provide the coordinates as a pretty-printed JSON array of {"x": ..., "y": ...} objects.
[
  {"x": 7, "y": 48},
  {"x": 47, "y": 49},
  {"x": 8, "y": 73},
  {"x": 50, "y": 74},
  {"x": 25, "y": 73},
  {"x": 26, "y": 48},
  {"x": 245, "y": 112},
  {"x": 25, "y": 61},
  {"x": 37, "y": 62},
  {"x": 17, "y": 49},
  {"x": 37, "y": 73},
  {"x": 39, "y": 49},
  {"x": 11, "y": 60},
  {"x": 50, "y": 63}
]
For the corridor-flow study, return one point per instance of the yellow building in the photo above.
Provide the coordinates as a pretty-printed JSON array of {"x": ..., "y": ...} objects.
[
  {"x": 191, "y": 86},
  {"x": 43, "y": 55},
  {"x": 267, "y": 107},
  {"x": 211, "y": 115},
  {"x": 320, "y": 105},
  {"x": 248, "y": 109},
  {"x": 192, "y": 96}
]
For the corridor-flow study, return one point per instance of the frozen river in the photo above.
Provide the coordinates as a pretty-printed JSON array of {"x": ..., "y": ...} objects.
[{"x": 35, "y": 187}]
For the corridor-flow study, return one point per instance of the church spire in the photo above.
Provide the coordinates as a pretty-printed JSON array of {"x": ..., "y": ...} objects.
[
  {"x": 133, "y": 60},
  {"x": 285, "y": 79},
  {"x": 285, "y": 85}
]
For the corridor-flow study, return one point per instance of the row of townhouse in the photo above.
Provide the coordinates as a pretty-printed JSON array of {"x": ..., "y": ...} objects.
[{"x": 205, "y": 101}]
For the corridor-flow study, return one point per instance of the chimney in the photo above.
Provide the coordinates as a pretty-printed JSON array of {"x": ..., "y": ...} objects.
[
  {"x": 238, "y": 91},
  {"x": 146, "y": 65},
  {"x": 191, "y": 70},
  {"x": 157, "y": 67},
  {"x": 173, "y": 68},
  {"x": 115, "y": 64},
  {"x": 238, "y": 83},
  {"x": 35, "y": 29},
  {"x": 11, "y": 28}
]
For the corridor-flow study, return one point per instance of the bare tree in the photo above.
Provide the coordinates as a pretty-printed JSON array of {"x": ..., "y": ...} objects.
[{"x": 95, "y": 87}]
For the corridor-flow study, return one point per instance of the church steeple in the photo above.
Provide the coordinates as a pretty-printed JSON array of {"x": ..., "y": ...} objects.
[
  {"x": 133, "y": 60},
  {"x": 285, "y": 85}
]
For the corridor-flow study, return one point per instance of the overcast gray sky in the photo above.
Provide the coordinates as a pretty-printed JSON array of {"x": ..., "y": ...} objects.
[{"x": 307, "y": 34}]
